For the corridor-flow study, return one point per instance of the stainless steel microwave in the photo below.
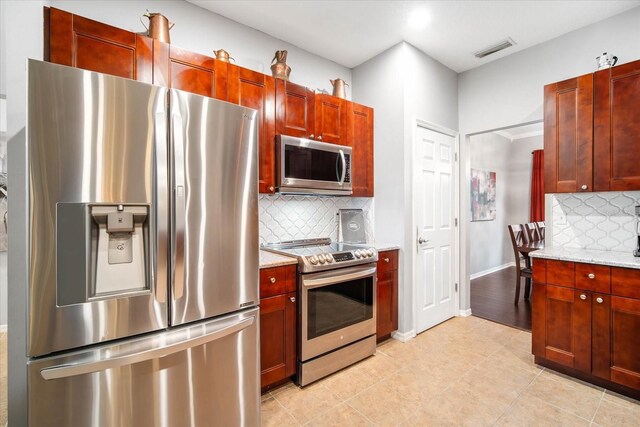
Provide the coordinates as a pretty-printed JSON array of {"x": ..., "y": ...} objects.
[{"x": 311, "y": 167}]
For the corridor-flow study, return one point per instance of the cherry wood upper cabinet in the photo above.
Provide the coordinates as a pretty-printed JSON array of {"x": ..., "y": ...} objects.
[
  {"x": 189, "y": 71},
  {"x": 295, "y": 110},
  {"x": 255, "y": 90},
  {"x": 331, "y": 119},
  {"x": 360, "y": 138},
  {"x": 617, "y": 128},
  {"x": 83, "y": 43},
  {"x": 568, "y": 135}
]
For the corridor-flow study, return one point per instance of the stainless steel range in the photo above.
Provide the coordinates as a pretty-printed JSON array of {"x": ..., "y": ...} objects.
[{"x": 337, "y": 309}]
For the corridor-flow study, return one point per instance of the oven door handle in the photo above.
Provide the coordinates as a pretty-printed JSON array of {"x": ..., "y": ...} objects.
[{"x": 324, "y": 281}]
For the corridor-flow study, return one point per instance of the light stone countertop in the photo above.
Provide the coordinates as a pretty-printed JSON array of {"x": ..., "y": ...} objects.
[
  {"x": 383, "y": 246},
  {"x": 589, "y": 256},
  {"x": 269, "y": 259}
]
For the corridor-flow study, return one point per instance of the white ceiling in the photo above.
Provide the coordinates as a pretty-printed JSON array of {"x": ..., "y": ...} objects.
[
  {"x": 521, "y": 132},
  {"x": 351, "y": 32}
]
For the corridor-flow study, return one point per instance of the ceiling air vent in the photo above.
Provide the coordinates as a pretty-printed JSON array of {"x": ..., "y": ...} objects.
[{"x": 495, "y": 48}]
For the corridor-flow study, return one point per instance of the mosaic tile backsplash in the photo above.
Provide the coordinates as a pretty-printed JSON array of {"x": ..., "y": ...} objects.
[
  {"x": 306, "y": 217},
  {"x": 603, "y": 221}
]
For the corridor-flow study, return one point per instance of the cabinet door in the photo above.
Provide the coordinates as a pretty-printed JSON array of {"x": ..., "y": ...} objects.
[
  {"x": 360, "y": 138},
  {"x": 331, "y": 119},
  {"x": 255, "y": 90},
  {"x": 561, "y": 322},
  {"x": 568, "y": 135},
  {"x": 277, "y": 338},
  {"x": 295, "y": 110},
  {"x": 617, "y": 128},
  {"x": 189, "y": 71},
  {"x": 387, "y": 304},
  {"x": 625, "y": 346},
  {"x": 83, "y": 43}
]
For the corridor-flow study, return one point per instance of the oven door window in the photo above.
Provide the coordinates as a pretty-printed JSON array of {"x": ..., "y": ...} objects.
[
  {"x": 337, "y": 306},
  {"x": 312, "y": 164}
]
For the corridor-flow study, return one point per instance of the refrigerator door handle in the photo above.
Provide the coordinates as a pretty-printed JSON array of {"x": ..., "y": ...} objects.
[
  {"x": 118, "y": 360},
  {"x": 159, "y": 270},
  {"x": 179, "y": 202}
]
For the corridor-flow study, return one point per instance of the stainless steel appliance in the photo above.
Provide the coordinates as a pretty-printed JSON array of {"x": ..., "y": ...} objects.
[
  {"x": 141, "y": 256},
  {"x": 305, "y": 166},
  {"x": 337, "y": 309},
  {"x": 636, "y": 251}
]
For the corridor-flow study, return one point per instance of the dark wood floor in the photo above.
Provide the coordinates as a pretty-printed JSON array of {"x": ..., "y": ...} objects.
[{"x": 492, "y": 299}]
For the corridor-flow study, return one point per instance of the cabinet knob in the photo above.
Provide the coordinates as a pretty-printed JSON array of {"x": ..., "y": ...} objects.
[
  {"x": 320, "y": 138},
  {"x": 599, "y": 300},
  {"x": 311, "y": 136},
  {"x": 386, "y": 260},
  {"x": 272, "y": 189},
  {"x": 584, "y": 186},
  {"x": 292, "y": 299},
  {"x": 583, "y": 297},
  {"x": 272, "y": 279},
  {"x": 591, "y": 276}
]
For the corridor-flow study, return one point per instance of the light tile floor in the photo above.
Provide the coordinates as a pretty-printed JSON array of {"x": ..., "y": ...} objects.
[{"x": 466, "y": 371}]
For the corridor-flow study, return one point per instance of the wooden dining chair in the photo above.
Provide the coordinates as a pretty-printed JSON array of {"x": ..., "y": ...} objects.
[
  {"x": 533, "y": 235},
  {"x": 519, "y": 236},
  {"x": 540, "y": 226}
]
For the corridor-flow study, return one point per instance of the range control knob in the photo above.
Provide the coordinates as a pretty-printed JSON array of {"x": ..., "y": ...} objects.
[
  {"x": 329, "y": 258},
  {"x": 313, "y": 259},
  {"x": 358, "y": 253},
  {"x": 322, "y": 259}
]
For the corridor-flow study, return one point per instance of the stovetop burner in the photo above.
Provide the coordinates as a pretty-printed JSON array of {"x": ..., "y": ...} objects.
[{"x": 323, "y": 254}]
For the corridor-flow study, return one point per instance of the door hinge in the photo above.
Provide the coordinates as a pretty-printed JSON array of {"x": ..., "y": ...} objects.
[
  {"x": 456, "y": 222},
  {"x": 456, "y": 287}
]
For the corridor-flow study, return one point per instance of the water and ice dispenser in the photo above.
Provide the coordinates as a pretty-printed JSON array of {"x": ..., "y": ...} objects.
[{"x": 102, "y": 251}]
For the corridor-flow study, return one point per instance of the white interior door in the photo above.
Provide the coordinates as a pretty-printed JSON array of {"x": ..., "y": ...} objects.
[{"x": 435, "y": 210}]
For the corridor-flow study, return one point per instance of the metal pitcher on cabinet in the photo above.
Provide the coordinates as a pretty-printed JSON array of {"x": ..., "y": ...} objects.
[
  {"x": 339, "y": 88},
  {"x": 606, "y": 61},
  {"x": 159, "y": 26}
]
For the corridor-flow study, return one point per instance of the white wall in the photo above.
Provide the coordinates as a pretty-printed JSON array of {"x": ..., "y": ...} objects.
[
  {"x": 512, "y": 162},
  {"x": 402, "y": 84},
  {"x": 509, "y": 91},
  {"x": 203, "y": 31}
]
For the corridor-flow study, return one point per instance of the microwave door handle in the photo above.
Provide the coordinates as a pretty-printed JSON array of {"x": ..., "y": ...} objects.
[
  {"x": 344, "y": 167},
  {"x": 179, "y": 202}
]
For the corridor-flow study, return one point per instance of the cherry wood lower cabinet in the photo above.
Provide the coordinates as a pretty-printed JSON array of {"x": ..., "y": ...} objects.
[
  {"x": 277, "y": 324},
  {"x": 387, "y": 294},
  {"x": 588, "y": 326}
]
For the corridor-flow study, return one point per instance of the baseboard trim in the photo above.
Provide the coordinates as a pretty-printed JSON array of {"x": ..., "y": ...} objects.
[
  {"x": 492, "y": 270},
  {"x": 403, "y": 336},
  {"x": 465, "y": 313}
]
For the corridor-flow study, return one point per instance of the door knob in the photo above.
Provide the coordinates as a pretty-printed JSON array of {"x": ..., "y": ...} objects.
[
  {"x": 292, "y": 299},
  {"x": 386, "y": 260},
  {"x": 584, "y": 186},
  {"x": 272, "y": 189},
  {"x": 583, "y": 297},
  {"x": 320, "y": 138},
  {"x": 591, "y": 276},
  {"x": 599, "y": 300},
  {"x": 272, "y": 279},
  {"x": 422, "y": 241},
  {"x": 311, "y": 136}
]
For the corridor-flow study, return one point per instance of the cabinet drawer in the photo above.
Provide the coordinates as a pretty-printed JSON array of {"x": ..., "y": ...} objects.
[
  {"x": 539, "y": 270},
  {"x": 387, "y": 261},
  {"x": 593, "y": 277},
  {"x": 625, "y": 282},
  {"x": 560, "y": 273},
  {"x": 277, "y": 280}
]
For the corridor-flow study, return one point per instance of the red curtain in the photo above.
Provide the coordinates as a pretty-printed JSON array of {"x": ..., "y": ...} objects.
[{"x": 537, "y": 187}]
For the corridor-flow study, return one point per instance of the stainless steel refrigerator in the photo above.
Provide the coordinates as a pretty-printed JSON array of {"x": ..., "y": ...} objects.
[{"x": 140, "y": 289}]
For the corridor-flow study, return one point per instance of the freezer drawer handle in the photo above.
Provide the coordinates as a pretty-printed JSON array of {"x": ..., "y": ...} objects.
[{"x": 63, "y": 371}]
